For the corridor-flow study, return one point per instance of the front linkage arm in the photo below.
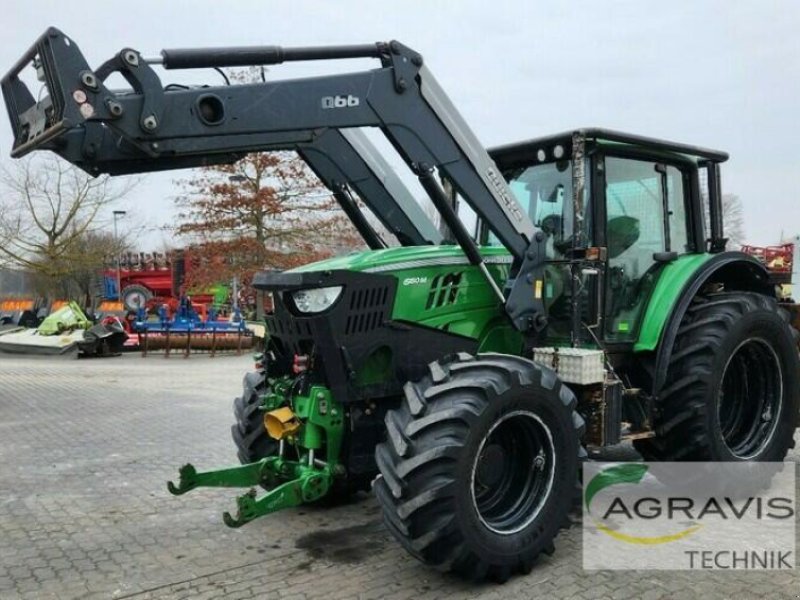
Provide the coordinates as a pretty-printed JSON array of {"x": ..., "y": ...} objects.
[
  {"x": 289, "y": 483},
  {"x": 153, "y": 128},
  {"x": 314, "y": 425}
]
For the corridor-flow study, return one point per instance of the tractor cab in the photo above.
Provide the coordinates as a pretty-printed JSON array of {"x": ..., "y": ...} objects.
[{"x": 617, "y": 209}]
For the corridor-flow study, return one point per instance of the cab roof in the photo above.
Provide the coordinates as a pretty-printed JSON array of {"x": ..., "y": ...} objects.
[{"x": 512, "y": 152}]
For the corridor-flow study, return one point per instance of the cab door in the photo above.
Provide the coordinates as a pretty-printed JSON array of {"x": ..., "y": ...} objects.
[{"x": 645, "y": 228}]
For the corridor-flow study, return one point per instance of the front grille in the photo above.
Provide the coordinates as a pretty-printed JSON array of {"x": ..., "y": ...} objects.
[
  {"x": 289, "y": 327},
  {"x": 343, "y": 339},
  {"x": 367, "y": 309}
]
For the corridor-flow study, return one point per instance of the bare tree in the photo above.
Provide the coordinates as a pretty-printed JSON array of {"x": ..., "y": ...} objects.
[
  {"x": 98, "y": 249},
  {"x": 50, "y": 218},
  {"x": 733, "y": 220}
]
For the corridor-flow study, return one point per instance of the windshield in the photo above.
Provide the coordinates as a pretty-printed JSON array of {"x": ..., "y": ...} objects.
[{"x": 545, "y": 193}]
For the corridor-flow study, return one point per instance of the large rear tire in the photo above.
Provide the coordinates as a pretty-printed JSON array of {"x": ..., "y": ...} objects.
[
  {"x": 478, "y": 471},
  {"x": 733, "y": 384}
]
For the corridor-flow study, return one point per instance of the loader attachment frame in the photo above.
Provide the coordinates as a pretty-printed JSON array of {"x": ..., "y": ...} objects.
[{"x": 154, "y": 128}]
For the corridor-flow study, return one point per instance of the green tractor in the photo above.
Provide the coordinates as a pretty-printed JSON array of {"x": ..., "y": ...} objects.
[{"x": 577, "y": 295}]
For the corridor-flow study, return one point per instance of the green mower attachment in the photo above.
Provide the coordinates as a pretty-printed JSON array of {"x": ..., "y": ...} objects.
[
  {"x": 66, "y": 332},
  {"x": 69, "y": 317}
]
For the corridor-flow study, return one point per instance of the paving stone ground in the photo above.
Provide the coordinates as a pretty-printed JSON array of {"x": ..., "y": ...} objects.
[{"x": 85, "y": 450}]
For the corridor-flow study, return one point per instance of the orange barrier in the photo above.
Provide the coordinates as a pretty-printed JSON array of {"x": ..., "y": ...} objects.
[
  {"x": 16, "y": 305},
  {"x": 111, "y": 306}
]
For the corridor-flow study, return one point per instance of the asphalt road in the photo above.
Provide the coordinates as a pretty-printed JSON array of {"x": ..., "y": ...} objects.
[{"x": 87, "y": 446}]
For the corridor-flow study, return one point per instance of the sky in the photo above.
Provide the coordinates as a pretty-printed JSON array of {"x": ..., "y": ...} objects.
[{"x": 724, "y": 75}]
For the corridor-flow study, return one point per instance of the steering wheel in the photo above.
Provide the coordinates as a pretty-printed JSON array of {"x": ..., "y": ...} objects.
[
  {"x": 626, "y": 291},
  {"x": 551, "y": 224}
]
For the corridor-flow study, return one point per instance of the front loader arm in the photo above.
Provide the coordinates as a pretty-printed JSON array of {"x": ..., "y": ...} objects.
[
  {"x": 339, "y": 158},
  {"x": 155, "y": 128},
  {"x": 347, "y": 159}
]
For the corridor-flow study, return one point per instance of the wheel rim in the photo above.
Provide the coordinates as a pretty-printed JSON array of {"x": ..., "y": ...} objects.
[
  {"x": 135, "y": 299},
  {"x": 750, "y": 398},
  {"x": 512, "y": 475}
]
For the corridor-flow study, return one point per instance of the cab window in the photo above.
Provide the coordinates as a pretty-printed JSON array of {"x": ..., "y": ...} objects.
[{"x": 676, "y": 205}]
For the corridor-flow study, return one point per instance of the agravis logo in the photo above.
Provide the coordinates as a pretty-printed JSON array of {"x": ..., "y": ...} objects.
[
  {"x": 688, "y": 516},
  {"x": 619, "y": 474}
]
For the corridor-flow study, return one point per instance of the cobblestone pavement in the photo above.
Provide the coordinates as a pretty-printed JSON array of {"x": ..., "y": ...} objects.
[{"x": 86, "y": 448}]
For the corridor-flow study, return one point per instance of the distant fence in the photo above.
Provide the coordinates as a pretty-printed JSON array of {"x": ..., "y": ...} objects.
[{"x": 15, "y": 283}]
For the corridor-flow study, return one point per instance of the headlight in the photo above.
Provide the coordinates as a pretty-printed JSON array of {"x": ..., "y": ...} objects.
[{"x": 316, "y": 300}]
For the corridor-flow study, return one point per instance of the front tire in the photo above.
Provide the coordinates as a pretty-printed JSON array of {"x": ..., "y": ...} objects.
[
  {"x": 479, "y": 468},
  {"x": 251, "y": 439},
  {"x": 733, "y": 384}
]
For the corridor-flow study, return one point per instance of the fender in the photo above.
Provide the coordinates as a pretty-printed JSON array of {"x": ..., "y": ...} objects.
[{"x": 736, "y": 270}]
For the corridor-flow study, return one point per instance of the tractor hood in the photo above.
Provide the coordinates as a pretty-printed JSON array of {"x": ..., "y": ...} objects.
[
  {"x": 396, "y": 259},
  {"x": 360, "y": 268}
]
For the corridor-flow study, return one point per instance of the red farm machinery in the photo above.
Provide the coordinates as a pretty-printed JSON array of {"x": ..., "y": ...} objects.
[
  {"x": 151, "y": 279},
  {"x": 160, "y": 313}
]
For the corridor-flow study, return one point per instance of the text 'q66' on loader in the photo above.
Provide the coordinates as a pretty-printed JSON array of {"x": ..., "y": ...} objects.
[{"x": 464, "y": 370}]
